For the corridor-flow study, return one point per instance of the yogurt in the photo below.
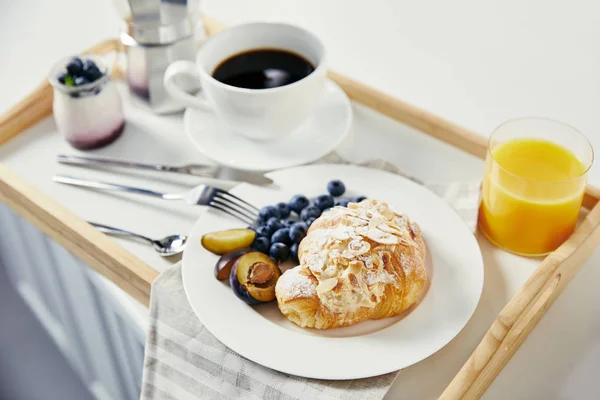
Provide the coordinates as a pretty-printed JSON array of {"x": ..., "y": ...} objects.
[{"x": 89, "y": 116}]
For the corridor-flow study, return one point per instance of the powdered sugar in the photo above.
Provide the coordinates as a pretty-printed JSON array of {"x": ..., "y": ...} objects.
[
  {"x": 296, "y": 285},
  {"x": 408, "y": 263}
]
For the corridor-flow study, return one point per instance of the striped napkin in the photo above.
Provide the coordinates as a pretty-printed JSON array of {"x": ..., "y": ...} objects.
[{"x": 183, "y": 361}]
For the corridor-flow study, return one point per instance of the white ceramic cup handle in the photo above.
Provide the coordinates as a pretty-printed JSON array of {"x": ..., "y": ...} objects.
[{"x": 188, "y": 68}]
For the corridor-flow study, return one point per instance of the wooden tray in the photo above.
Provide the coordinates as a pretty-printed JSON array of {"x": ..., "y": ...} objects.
[{"x": 508, "y": 331}]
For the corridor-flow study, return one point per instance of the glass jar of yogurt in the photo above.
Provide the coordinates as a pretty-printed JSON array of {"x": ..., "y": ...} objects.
[{"x": 87, "y": 108}]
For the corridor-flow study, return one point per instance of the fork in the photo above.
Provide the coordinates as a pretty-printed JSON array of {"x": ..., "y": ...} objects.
[{"x": 202, "y": 195}]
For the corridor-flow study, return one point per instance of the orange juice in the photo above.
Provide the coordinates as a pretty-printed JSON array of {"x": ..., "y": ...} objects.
[{"x": 531, "y": 195}]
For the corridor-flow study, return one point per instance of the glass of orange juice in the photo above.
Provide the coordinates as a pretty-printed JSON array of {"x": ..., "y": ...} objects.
[{"x": 535, "y": 177}]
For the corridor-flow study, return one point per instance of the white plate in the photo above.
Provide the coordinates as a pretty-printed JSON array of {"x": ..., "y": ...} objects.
[
  {"x": 315, "y": 138},
  {"x": 263, "y": 335}
]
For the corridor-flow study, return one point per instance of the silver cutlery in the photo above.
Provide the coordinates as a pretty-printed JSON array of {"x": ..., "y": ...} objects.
[
  {"x": 167, "y": 246},
  {"x": 206, "y": 171},
  {"x": 202, "y": 195}
]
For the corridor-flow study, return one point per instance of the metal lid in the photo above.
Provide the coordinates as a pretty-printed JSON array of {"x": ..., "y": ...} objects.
[{"x": 159, "y": 22}]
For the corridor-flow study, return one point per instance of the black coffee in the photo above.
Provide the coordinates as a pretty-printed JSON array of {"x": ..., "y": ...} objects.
[{"x": 263, "y": 69}]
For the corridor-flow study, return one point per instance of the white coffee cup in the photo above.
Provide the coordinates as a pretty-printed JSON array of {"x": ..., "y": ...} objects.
[{"x": 255, "y": 113}]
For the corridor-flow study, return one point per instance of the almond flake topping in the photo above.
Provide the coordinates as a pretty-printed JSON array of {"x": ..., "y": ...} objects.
[
  {"x": 345, "y": 257},
  {"x": 382, "y": 237},
  {"x": 415, "y": 228},
  {"x": 326, "y": 285}
]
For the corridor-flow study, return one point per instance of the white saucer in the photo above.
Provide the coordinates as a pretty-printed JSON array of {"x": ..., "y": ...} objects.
[
  {"x": 262, "y": 334},
  {"x": 318, "y": 136}
]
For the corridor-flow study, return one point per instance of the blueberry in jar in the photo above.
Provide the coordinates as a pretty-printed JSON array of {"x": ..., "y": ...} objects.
[
  {"x": 294, "y": 252},
  {"x": 81, "y": 80},
  {"x": 284, "y": 210},
  {"x": 75, "y": 66},
  {"x": 288, "y": 223},
  {"x": 310, "y": 212},
  {"x": 279, "y": 252},
  {"x": 87, "y": 64},
  {"x": 336, "y": 188},
  {"x": 92, "y": 73},
  {"x": 281, "y": 236},
  {"x": 267, "y": 212},
  {"x": 310, "y": 221},
  {"x": 298, "y": 203},
  {"x": 261, "y": 244},
  {"x": 297, "y": 232},
  {"x": 324, "y": 201},
  {"x": 62, "y": 77},
  {"x": 358, "y": 199}
]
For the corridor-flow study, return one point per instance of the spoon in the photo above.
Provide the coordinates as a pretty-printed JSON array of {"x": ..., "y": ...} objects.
[{"x": 167, "y": 246}]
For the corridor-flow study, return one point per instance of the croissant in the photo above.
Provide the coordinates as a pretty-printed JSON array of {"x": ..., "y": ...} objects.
[{"x": 360, "y": 262}]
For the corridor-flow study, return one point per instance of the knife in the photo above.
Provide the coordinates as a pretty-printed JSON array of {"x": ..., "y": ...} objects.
[{"x": 206, "y": 171}]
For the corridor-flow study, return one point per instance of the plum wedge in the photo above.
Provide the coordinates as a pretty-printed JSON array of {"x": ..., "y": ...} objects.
[
  {"x": 253, "y": 278},
  {"x": 223, "y": 242},
  {"x": 226, "y": 262}
]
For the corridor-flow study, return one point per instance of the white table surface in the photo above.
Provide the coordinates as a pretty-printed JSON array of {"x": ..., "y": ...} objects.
[{"x": 476, "y": 63}]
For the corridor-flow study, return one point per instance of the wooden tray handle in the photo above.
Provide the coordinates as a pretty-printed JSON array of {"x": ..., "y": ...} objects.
[
  {"x": 28, "y": 112},
  {"x": 38, "y": 104},
  {"x": 524, "y": 311},
  {"x": 77, "y": 236}
]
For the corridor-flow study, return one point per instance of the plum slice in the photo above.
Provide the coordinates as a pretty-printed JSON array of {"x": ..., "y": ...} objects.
[
  {"x": 253, "y": 278},
  {"x": 223, "y": 266},
  {"x": 226, "y": 241}
]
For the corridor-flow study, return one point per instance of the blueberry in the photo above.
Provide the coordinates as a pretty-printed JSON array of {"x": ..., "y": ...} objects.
[
  {"x": 281, "y": 236},
  {"x": 267, "y": 212},
  {"x": 75, "y": 66},
  {"x": 89, "y": 64},
  {"x": 264, "y": 231},
  {"x": 342, "y": 202},
  {"x": 358, "y": 199},
  {"x": 289, "y": 223},
  {"x": 336, "y": 187},
  {"x": 284, "y": 210},
  {"x": 324, "y": 201},
  {"x": 279, "y": 252},
  {"x": 92, "y": 73},
  {"x": 310, "y": 212},
  {"x": 274, "y": 224},
  {"x": 81, "y": 80},
  {"x": 62, "y": 77},
  {"x": 298, "y": 203},
  {"x": 294, "y": 252},
  {"x": 261, "y": 244},
  {"x": 310, "y": 221},
  {"x": 298, "y": 231}
]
